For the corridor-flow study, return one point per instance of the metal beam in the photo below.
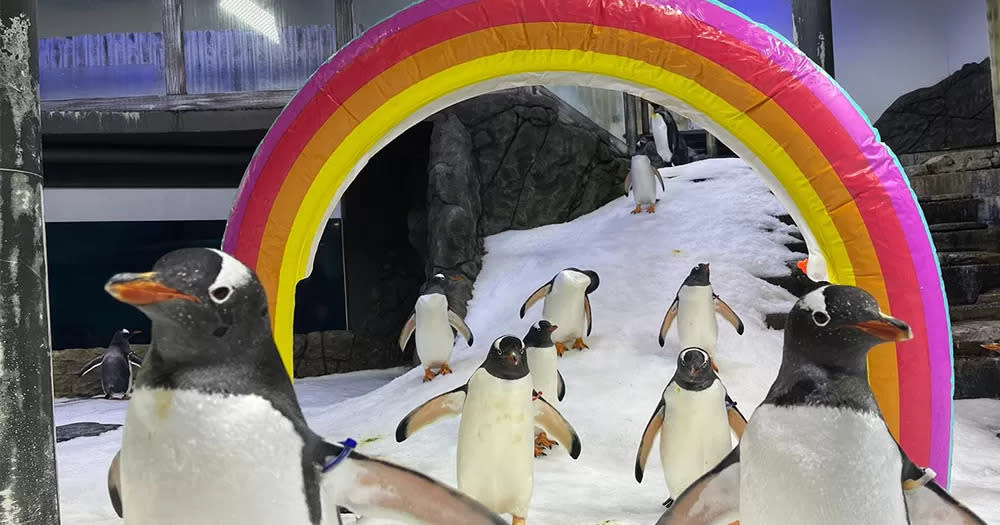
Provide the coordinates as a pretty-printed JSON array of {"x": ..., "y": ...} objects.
[
  {"x": 631, "y": 135},
  {"x": 993, "y": 22},
  {"x": 173, "y": 48},
  {"x": 343, "y": 23},
  {"x": 813, "y": 26},
  {"x": 28, "y": 487}
]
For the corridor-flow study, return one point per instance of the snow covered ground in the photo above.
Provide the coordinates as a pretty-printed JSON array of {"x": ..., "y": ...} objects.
[{"x": 726, "y": 219}]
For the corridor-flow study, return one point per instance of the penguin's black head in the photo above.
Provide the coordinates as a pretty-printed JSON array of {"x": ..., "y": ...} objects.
[
  {"x": 204, "y": 293},
  {"x": 698, "y": 276},
  {"x": 694, "y": 369},
  {"x": 507, "y": 359},
  {"x": 121, "y": 338},
  {"x": 836, "y": 326},
  {"x": 595, "y": 280},
  {"x": 540, "y": 335}
]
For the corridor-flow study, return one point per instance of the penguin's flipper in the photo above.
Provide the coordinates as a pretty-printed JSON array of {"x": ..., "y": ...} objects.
[
  {"x": 445, "y": 405},
  {"x": 134, "y": 359},
  {"x": 648, "y": 437},
  {"x": 114, "y": 483},
  {"x": 628, "y": 182},
  {"x": 91, "y": 365},
  {"x": 660, "y": 178},
  {"x": 562, "y": 386},
  {"x": 408, "y": 328},
  {"x": 555, "y": 425},
  {"x": 927, "y": 502},
  {"x": 589, "y": 313},
  {"x": 713, "y": 498},
  {"x": 728, "y": 313},
  {"x": 539, "y": 294},
  {"x": 458, "y": 323},
  {"x": 736, "y": 419},
  {"x": 378, "y": 489},
  {"x": 668, "y": 319}
]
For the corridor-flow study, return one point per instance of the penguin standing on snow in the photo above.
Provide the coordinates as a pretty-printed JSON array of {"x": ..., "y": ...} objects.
[
  {"x": 116, "y": 365},
  {"x": 641, "y": 180},
  {"x": 495, "y": 438},
  {"x": 433, "y": 320},
  {"x": 694, "y": 307},
  {"x": 666, "y": 138},
  {"x": 214, "y": 433},
  {"x": 543, "y": 362},
  {"x": 693, "y": 418},
  {"x": 817, "y": 450},
  {"x": 567, "y": 305}
]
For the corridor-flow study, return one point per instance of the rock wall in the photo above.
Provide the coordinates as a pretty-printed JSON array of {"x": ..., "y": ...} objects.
[{"x": 954, "y": 113}]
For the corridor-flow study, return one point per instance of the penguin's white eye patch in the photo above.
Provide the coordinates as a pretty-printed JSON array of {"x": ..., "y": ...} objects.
[
  {"x": 821, "y": 318},
  {"x": 220, "y": 293}
]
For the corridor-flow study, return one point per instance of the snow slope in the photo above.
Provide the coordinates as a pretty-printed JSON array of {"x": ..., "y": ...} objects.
[{"x": 726, "y": 219}]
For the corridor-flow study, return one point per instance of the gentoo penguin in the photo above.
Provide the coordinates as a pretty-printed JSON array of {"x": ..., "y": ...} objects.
[
  {"x": 499, "y": 411},
  {"x": 693, "y": 419},
  {"x": 116, "y": 365},
  {"x": 694, "y": 307},
  {"x": 544, "y": 367},
  {"x": 642, "y": 180},
  {"x": 567, "y": 305},
  {"x": 665, "y": 135},
  {"x": 214, "y": 433},
  {"x": 817, "y": 450},
  {"x": 432, "y": 319}
]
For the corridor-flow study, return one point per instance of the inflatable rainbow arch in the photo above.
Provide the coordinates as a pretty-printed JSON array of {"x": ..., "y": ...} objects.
[{"x": 741, "y": 81}]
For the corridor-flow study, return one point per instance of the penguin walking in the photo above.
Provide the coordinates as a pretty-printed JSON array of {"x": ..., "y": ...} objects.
[
  {"x": 818, "y": 450},
  {"x": 641, "y": 180},
  {"x": 116, "y": 365},
  {"x": 214, "y": 433},
  {"x": 567, "y": 305},
  {"x": 694, "y": 307},
  {"x": 499, "y": 411},
  {"x": 545, "y": 376},
  {"x": 693, "y": 419},
  {"x": 433, "y": 320}
]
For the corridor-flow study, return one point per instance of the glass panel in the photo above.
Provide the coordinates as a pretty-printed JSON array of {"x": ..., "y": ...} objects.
[
  {"x": 255, "y": 45},
  {"x": 100, "y": 48}
]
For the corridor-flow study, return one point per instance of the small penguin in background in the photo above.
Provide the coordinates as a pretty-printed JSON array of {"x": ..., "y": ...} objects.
[
  {"x": 499, "y": 411},
  {"x": 693, "y": 419},
  {"x": 665, "y": 134},
  {"x": 641, "y": 180},
  {"x": 116, "y": 365},
  {"x": 433, "y": 320},
  {"x": 545, "y": 375},
  {"x": 817, "y": 450},
  {"x": 567, "y": 305},
  {"x": 214, "y": 434},
  {"x": 694, "y": 307}
]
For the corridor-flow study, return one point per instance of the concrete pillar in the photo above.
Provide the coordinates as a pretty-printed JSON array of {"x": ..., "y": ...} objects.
[
  {"x": 813, "y": 26},
  {"x": 645, "y": 112},
  {"x": 993, "y": 22},
  {"x": 343, "y": 23},
  {"x": 631, "y": 128},
  {"x": 28, "y": 489}
]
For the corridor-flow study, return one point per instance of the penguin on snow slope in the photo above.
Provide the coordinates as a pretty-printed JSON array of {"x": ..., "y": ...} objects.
[
  {"x": 694, "y": 307},
  {"x": 433, "y": 320},
  {"x": 641, "y": 180},
  {"x": 818, "y": 450},
  {"x": 567, "y": 305},
  {"x": 665, "y": 135},
  {"x": 693, "y": 419},
  {"x": 495, "y": 437},
  {"x": 214, "y": 433},
  {"x": 116, "y": 365},
  {"x": 543, "y": 362}
]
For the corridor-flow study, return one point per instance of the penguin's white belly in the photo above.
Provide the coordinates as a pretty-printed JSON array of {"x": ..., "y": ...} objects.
[
  {"x": 496, "y": 443},
  {"x": 696, "y": 322},
  {"x": 820, "y": 465},
  {"x": 564, "y": 307},
  {"x": 543, "y": 363},
  {"x": 201, "y": 459},
  {"x": 644, "y": 185},
  {"x": 695, "y": 435},
  {"x": 435, "y": 339}
]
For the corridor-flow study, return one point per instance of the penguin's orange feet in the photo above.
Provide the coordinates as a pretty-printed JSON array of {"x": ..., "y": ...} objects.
[
  {"x": 539, "y": 451},
  {"x": 715, "y": 366},
  {"x": 521, "y": 521},
  {"x": 543, "y": 441},
  {"x": 444, "y": 370},
  {"x": 651, "y": 209},
  {"x": 637, "y": 210},
  {"x": 561, "y": 349},
  {"x": 429, "y": 375},
  {"x": 579, "y": 344}
]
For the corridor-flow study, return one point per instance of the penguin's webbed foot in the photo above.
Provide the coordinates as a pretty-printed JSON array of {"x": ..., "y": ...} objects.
[
  {"x": 543, "y": 441},
  {"x": 444, "y": 370},
  {"x": 429, "y": 375},
  {"x": 539, "y": 451},
  {"x": 519, "y": 521},
  {"x": 715, "y": 366},
  {"x": 651, "y": 209},
  {"x": 561, "y": 349},
  {"x": 669, "y": 503},
  {"x": 579, "y": 344},
  {"x": 637, "y": 210}
]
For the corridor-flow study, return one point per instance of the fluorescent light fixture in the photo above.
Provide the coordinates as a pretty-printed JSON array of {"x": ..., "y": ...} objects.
[{"x": 254, "y": 16}]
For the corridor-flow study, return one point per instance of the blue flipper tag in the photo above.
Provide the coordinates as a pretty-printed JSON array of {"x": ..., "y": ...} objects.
[{"x": 349, "y": 445}]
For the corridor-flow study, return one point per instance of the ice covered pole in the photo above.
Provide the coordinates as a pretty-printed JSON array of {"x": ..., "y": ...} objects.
[{"x": 28, "y": 490}]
